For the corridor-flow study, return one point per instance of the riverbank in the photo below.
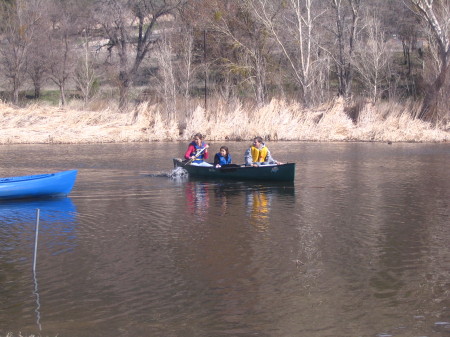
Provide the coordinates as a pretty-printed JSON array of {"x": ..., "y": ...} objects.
[{"x": 277, "y": 120}]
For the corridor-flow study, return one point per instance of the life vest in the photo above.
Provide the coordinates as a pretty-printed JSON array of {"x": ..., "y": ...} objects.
[
  {"x": 259, "y": 155},
  {"x": 224, "y": 160},
  {"x": 199, "y": 159}
]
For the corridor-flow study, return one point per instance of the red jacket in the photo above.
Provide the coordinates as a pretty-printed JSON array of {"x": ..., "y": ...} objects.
[{"x": 192, "y": 149}]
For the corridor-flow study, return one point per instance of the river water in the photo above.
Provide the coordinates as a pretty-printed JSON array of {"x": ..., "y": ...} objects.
[{"x": 358, "y": 245}]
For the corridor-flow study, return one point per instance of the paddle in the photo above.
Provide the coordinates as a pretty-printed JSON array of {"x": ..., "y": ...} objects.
[
  {"x": 229, "y": 167},
  {"x": 195, "y": 157}
]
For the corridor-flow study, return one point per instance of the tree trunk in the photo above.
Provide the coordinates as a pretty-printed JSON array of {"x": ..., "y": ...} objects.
[
  {"x": 346, "y": 44},
  {"x": 407, "y": 56},
  {"x": 37, "y": 90},
  {"x": 62, "y": 95},
  {"x": 260, "y": 80},
  {"x": 15, "y": 94},
  {"x": 438, "y": 24},
  {"x": 124, "y": 86},
  {"x": 429, "y": 107}
]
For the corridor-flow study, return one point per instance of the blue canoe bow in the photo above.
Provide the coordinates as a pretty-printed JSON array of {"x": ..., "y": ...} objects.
[{"x": 35, "y": 186}]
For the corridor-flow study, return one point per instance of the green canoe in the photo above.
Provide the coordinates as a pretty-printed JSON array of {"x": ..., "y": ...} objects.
[{"x": 283, "y": 172}]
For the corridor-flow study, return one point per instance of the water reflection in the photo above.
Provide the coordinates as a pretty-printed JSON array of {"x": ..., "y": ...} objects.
[
  {"x": 38, "y": 302},
  {"x": 220, "y": 257},
  {"x": 18, "y": 221},
  {"x": 254, "y": 201},
  {"x": 52, "y": 210},
  {"x": 258, "y": 207},
  {"x": 57, "y": 217},
  {"x": 197, "y": 199}
]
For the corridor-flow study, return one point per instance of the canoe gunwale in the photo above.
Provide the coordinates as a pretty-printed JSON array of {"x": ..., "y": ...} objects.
[{"x": 25, "y": 178}]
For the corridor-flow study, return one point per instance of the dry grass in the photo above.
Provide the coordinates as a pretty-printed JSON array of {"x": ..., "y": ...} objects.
[
  {"x": 278, "y": 120},
  {"x": 10, "y": 334}
]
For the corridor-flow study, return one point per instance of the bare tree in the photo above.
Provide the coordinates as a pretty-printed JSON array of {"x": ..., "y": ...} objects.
[
  {"x": 292, "y": 23},
  {"x": 130, "y": 28},
  {"x": 402, "y": 24},
  {"x": 85, "y": 75},
  {"x": 62, "y": 56},
  {"x": 18, "y": 25},
  {"x": 372, "y": 58},
  {"x": 168, "y": 89},
  {"x": 37, "y": 59},
  {"x": 436, "y": 14},
  {"x": 346, "y": 16},
  {"x": 185, "y": 67},
  {"x": 37, "y": 64},
  {"x": 247, "y": 41}
]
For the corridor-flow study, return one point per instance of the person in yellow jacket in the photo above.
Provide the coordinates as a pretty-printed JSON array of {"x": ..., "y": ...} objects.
[{"x": 258, "y": 154}]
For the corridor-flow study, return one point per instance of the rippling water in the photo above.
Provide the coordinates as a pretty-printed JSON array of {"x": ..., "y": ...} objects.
[{"x": 358, "y": 245}]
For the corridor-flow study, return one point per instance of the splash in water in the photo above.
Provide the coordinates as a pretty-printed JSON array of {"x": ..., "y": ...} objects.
[{"x": 178, "y": 173}]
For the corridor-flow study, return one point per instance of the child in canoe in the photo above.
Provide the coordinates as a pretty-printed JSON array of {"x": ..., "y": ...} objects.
[
  {"x": 222, "y": 157},
  {"x": 197, "y": 151}
]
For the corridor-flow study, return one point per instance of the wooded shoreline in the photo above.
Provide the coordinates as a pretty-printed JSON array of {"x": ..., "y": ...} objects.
[{"x": 172, "y": 52}]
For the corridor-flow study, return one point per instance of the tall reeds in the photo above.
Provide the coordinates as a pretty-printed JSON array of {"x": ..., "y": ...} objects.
[{"x": 277, "y": 120}]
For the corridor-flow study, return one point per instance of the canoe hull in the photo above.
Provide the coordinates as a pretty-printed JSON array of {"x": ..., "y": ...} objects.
[
  {"x": 284, "y": 172},
  {"x": 35, "y": 186}
]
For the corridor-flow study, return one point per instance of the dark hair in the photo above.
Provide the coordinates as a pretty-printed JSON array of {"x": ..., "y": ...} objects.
[
  {"x": 198, "y": 135},
  {"x": 224, "y": 148},
  {"x": 259, "y": 139}
]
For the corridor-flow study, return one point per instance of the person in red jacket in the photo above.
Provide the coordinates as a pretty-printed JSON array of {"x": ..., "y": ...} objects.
[{"x": 195, "y": 147}]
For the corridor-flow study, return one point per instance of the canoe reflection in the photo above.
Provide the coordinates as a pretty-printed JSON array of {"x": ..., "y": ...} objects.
[
  {"x": 207, "y": 199},
  {"x": 52, "y": 209},
  {"x": 57, "y": 222}
]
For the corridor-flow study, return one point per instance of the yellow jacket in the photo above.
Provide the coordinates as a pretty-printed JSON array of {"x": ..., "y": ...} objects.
[{"x": 259, "y": 155}]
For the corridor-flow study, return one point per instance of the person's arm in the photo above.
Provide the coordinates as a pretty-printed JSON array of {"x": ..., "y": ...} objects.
[
  {"x": 190, "y": 149},
  {"x": 248, "y": 157},
  {"x": 216, "y": 159},
  {"x": 205, "y": 152},
  {"x": 270, "y": 160}
]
